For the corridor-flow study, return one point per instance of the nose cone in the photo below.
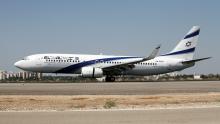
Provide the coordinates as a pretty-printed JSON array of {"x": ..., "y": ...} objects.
[{"x": 18, "y": 64}]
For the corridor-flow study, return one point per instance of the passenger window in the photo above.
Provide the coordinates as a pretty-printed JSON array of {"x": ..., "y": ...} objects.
[{"x": 57, "y": 57}]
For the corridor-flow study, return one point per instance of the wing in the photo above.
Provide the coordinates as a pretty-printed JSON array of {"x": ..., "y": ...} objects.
[{"x": 120, "y": 68}]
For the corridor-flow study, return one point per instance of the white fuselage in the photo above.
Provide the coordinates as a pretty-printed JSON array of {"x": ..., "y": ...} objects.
[
  {"x": 73, "y": 63},
  {"x": 95, "y": 66}
]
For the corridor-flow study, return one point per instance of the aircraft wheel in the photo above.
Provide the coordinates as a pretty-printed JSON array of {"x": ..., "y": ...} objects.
[{"x": 110, "y": 79}]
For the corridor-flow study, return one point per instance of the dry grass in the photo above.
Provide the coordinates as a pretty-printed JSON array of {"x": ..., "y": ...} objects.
[{"x": 28, "y": 102}]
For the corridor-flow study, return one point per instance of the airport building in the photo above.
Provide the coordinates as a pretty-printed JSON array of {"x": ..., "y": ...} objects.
[
  {"x": 2, "y": 75},
  {"x": 197, "y": 77},
  {"x": 22, "y": 75}
]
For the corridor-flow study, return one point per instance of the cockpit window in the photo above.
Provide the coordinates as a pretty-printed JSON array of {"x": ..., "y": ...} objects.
[{"x": 26, "y": 58}]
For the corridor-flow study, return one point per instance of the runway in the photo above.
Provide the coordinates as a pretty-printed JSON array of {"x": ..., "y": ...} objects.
[
  {"x": 125, "y": 88},
  {"x": 158, "y": 116}
]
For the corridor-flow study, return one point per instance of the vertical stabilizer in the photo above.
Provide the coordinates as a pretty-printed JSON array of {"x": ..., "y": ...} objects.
[{"x": 186, "y": 47}]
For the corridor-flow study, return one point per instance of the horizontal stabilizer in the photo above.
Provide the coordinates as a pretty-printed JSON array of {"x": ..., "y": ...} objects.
[{"x": 195, "y": 60}]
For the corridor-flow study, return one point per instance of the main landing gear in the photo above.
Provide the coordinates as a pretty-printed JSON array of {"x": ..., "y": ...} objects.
[{"x": 109, "y": 79}]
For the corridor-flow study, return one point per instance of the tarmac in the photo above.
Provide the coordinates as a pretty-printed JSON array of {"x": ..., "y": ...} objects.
[
  {"x": 180, "y": 115},
  {"x": 155, "y": 116},
  {"x": 116, "y": 88}
]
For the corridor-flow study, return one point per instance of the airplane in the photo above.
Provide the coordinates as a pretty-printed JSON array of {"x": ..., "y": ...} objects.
[{"x": 96, "y": 66}]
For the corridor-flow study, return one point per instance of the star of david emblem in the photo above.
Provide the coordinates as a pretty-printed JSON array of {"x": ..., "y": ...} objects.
[{"x": 188, "y": 44}]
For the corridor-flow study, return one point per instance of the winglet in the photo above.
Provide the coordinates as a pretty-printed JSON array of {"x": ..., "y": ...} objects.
[{"x": 153, "y": 54}]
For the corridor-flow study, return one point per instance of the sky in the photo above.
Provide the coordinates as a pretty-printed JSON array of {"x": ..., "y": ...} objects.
[{"x": 113, "y": 27}]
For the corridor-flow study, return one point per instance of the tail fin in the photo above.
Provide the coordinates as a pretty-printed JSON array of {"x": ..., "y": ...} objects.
[{"x": 186, "y": 47}]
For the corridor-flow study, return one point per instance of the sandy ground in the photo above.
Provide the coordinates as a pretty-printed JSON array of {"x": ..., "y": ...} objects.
[{"x": 84, "y": 102}]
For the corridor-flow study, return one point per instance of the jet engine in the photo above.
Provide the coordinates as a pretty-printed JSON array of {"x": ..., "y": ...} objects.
[{"x": 91, "y": 72}]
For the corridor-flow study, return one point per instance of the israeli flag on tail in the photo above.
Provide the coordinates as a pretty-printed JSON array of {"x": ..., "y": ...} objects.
[{"x": 186, "y": 47}]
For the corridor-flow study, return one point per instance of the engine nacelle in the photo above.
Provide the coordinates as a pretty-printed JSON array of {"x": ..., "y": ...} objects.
[{"x": 91, "y": 72}]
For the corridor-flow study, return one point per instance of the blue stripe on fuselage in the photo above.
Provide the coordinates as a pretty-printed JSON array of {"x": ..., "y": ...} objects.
[
  {"x": 75, "y": 67},
  {"x": 181, "y": 52}
]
